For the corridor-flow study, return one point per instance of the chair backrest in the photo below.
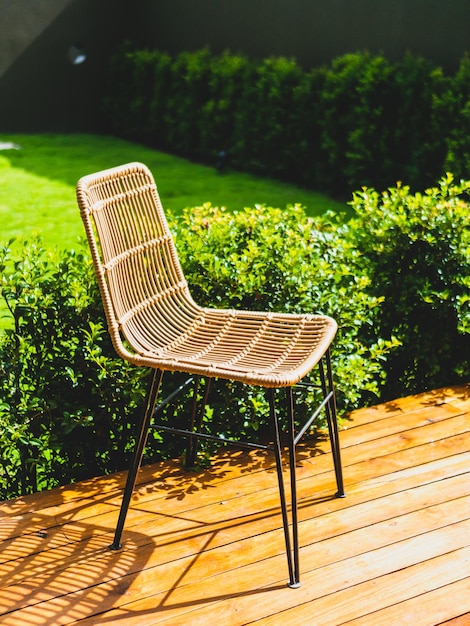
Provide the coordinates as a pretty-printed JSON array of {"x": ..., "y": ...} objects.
[{"x": 145, "y": 295}]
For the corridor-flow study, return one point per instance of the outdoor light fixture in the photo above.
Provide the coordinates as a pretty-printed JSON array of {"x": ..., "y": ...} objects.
[
  {"x": 76, "y": 54},
  {"x": 221, "y": 162}
]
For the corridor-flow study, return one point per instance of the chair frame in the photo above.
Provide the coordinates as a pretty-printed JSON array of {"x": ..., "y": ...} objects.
[{"x": 321, "y": 358}]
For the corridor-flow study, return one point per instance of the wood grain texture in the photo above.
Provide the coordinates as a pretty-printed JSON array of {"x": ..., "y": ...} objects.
[{"x": 207, "y": 548}]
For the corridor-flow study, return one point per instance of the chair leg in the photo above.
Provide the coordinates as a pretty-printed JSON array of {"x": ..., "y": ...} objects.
[
  {"x": 292, "y": 548},
  {"x": 293, "y": 481},
  {"x": 152, "y": 394},
  {"x": 332, "y": 421},
  {"x": 196, "y": 422}
]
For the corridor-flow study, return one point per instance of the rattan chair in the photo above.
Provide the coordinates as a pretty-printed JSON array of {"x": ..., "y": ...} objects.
[{"x": 154, "y": 322}]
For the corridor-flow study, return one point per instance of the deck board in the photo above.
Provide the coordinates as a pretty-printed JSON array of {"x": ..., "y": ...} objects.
[{"x": 207, "y": 548}]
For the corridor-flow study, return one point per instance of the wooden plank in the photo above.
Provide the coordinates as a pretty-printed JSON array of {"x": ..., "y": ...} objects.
[
  {"x": 170, "y": 475},
  {"x": 457, "y": 395},
  {"x": 405, "y": 458},
  {"x": 151, "y": 521},
  {"x": 426, "y": 609},
  {"x": 415, "y": 438},
  {"x": 396, "y": 587},
  {"x": 170, "y": 472},
  {"x": 399, "y": 424},
  {"x": 32, "y": 523},
  {"x": 42, "y": 520},
  {"x": 461, "y": 620},
  {"x": 168, "y": 469},
  {"x": 217, "y": 519},
  {"x": 228, "y": 530},
  {"x": 233, "y": 488}
]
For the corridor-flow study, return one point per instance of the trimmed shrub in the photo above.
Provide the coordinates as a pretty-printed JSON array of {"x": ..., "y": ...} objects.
[
  {"x": 218, "y": 115},
  {"x": 415, "y": 248},
  {"x": 396, "y": 278},
  {"x": 455, "y": 104},
  {"x": 361, "y": 121},
  {"x": 68, "y": 405},
  {"x": 381, "y": 122},
  {"x": 136, "y": 76},
  {"x": 356, "y": 99},
  {"x": 184, "y": 100},
  {"x": 265, "y": 118}
]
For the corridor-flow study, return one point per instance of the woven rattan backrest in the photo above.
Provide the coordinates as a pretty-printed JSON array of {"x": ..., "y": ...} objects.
[{"x": 139, "y": 275}]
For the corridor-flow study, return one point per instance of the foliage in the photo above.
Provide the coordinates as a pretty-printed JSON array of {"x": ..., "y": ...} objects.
[
  {"x": 416, "y": 250},
  {"x": 241, "y": 260},
  {"x": 361, "y": 121},
  {"x": 456, "y": 105},
  {"x": 353, "y": 134},
  {"x": 68, "y": 405},
  {"x": 62, "y": 399},
  {"x": 396, "y": 278},
  {"x": 381, "y": 122}
]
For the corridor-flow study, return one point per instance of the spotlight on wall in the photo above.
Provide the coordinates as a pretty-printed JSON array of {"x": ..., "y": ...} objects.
[{"x": 76, "y": 54}]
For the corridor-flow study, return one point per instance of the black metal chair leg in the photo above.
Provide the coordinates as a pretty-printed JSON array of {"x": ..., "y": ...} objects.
[
  {"x": 152, "y": 394},
  {"x": 292, "y": 563},
  {"x": 293, "y": 481},
  {"x": 332, "y": 421},
  {"x": 190, "y": 457},
  {"x": 196, "y": 422}
]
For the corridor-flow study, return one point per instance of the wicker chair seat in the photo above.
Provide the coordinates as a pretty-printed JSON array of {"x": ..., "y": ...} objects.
[{"x": 266, "y": 349}]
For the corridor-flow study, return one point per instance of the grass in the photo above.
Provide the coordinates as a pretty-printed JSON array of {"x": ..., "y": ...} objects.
[{"x": 37, "y": 184}]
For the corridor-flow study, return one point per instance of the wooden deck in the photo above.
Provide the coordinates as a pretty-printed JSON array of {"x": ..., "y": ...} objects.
[{"x": 208, "y": 548}]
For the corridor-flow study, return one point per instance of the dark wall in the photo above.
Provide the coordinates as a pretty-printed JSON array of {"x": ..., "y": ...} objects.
[
  {"x": 314, "y": 31},
  {"x": 40, "y": 90}
]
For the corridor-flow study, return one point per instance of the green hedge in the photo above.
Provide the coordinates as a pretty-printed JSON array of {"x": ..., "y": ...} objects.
[
  {"x": 415, "y": 248},
  {"x": 361, "y": 121},
  {"x": 396, "y": 277},
  {"x": 68, "y": 404}
]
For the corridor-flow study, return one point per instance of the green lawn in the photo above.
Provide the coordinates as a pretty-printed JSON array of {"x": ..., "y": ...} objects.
[{"x": 37, "y": 184}]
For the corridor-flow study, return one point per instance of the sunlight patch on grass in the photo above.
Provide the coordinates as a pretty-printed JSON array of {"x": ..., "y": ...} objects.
[
  {"x": 37, "y": 184},
  {"x": 31, "y": 204}
]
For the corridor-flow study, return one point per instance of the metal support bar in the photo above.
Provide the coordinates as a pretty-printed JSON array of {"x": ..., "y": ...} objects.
[
  {"x": 172, "y": 395},
  {"x": 196, "y": 422},
  {"x": 307, "y": 386},
  {"x": 307, "y": 425},
  {"x": 198, "y": 435},
  {"x": 295, "y": 583}
]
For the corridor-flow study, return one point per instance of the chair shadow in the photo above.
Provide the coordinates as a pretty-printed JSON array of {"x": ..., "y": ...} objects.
[
  {"x": 55, "y": 559},
  {"x": 180, "y": 482},
  {"x": 48, "y": 562}
]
